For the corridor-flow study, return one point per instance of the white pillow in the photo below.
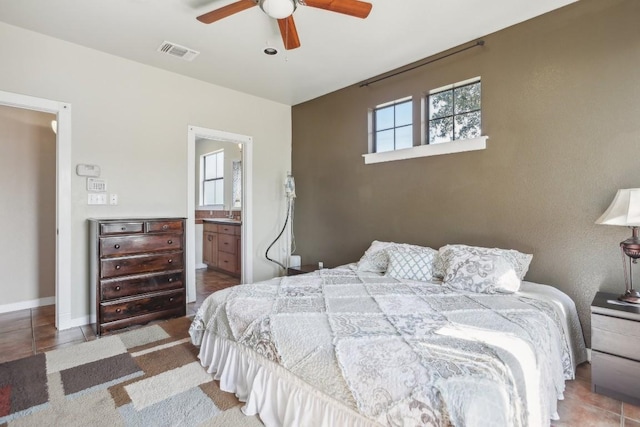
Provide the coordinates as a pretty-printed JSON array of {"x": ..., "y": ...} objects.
[
  {"x": 519, "y": 261},
  {"x": 411, "y": 264},
  {"x": 485, "y": 274},
  {"x": 376, "y": 258}
]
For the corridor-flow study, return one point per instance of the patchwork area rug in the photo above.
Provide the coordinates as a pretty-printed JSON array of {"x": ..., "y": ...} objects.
[{"x": 149, "y": 376}]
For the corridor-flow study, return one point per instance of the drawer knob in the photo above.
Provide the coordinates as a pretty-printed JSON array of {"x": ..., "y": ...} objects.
[
  {"x": 117, "y": 288},
  {"x": 117, "y": 267},
  {"x": 123, "y": 228},
  {"x": 226, "y": 243},
  {"x": 170, "y": 261},
  {"x": 117, "y": 246},
  {"x": 210, "y": 238},
  {"x": 170, "y": 279},
  {"x": 171, "y": 299},
  {"x": 170, "y": 242},
  {"x": 164, "y": 227},
  {"x": 118, "y": 310}
]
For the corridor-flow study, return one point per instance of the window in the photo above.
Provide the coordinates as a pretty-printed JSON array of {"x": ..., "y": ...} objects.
[
  {"x": 454, "y": 113},
  {"x": 212, "y": 173},
  {"x": 392, "y": 125}
]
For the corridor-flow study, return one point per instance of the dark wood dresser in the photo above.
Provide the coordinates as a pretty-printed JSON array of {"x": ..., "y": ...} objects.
[
  {"x": 137, "y": 268},
  {"x": 615, "y": 348}
]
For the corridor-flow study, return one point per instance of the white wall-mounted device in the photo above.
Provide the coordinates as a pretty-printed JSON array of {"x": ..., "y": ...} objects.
[
  {"x": 97, "y": 185},
  {"x": 88, "y": 170}
]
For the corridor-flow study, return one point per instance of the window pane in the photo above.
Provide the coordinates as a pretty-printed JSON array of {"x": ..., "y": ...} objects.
[
  {"x": 209, "y": 192},
  {"x": 404, "y": 137},
  {"x": 384, "y": 141},
  {"x": 441, "y": 130},
  {"x": 404, "y": 114},
  {"x": 384, "y": 118},
  {"x": 467, "y": 98},
  {"x": 219, "y": 185},
  {"x": 441, "y": 104},
  {"x": 210, "y": 166},
  {"x": 219, "y": 164},
  {"x": 468, "y": 125}
]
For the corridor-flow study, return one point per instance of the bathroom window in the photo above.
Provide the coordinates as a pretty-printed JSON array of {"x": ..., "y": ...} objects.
[{"x": 212, "y": 178}]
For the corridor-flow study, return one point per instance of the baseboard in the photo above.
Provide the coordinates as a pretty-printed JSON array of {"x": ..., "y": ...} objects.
[
  {"x": 201, "y": 266},
  {"x": 23, "y": 305}
]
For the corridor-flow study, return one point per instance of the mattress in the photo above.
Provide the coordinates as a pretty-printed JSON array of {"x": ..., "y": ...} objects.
[{"x": 351, "y": 348}]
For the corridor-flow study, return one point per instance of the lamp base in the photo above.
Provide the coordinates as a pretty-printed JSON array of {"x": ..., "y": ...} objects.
[{"x": 631, "y": 296}]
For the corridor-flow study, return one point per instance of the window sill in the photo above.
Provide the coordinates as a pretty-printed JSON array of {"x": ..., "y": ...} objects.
[{"x": 459, "y": 146}]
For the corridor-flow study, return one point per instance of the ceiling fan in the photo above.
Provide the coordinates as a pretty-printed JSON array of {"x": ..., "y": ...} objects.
[{"x": 282, "y": 10}]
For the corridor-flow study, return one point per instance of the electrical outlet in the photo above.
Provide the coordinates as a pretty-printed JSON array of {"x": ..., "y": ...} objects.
[{"x": 113, "y": 199}]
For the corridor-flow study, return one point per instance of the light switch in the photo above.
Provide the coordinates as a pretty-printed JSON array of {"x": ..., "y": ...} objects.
[
  {"x": 113, "y": 199},
  {"x": 97, "y": 199}
]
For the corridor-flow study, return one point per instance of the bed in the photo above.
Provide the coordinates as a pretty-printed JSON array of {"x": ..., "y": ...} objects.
[{"x": 396, "y": 339}]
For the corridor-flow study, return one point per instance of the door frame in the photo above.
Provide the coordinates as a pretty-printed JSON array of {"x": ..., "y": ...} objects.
[
  {"x": 62, "y": 110},
  {"x": 193, "y": 133}
]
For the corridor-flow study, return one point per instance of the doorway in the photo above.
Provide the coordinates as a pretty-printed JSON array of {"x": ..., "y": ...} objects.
[
  {"x": 62, "y": 112},
  {"x": 193, "y": 134}
]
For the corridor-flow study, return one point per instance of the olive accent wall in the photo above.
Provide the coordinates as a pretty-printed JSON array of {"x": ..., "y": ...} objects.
[{"x": 561, "y": 109}]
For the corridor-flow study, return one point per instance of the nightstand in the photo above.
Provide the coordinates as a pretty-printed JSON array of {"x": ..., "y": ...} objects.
[
  {"x": 302, "y": 269},
  {"x": 615, "y": 348}
]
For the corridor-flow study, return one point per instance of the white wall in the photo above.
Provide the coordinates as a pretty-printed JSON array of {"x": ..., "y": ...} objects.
[
  {"x": 28, "y": 208},
  {"x": 131, "y": 120}
]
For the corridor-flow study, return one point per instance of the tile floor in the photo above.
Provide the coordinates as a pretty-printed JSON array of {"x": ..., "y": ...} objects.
[
  {"x": 26, "y": 332},
  {"x": 31, "y": 331}
]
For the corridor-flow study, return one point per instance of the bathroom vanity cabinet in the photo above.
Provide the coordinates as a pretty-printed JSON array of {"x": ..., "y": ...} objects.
[{"x": 221, "y": 245}]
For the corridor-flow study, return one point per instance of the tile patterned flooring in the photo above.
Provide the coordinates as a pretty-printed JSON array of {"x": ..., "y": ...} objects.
[{"x": 27, "y": 332}]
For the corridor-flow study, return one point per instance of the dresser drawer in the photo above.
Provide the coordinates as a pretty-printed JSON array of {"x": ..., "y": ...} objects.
[
  {"x": 227, "y": 243},
  {"x": 114, "y": 267},
  {"x": 122, "y": 309},
  {"x": 126, "y": 245},
  {"x": 615, "y": 336},
  {"x": 121, "y": 227},
  {"x": 164, "y": 226},
  {"x": 112, "y": 289},
  {"x": 228, "y": 229},
  {"x": 227, "y": 262}
]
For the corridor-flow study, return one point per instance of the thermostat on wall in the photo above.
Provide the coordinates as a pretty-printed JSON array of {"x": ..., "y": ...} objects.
[
  {"x": 95, "y": 184},
  {"x": 87, "y": 170}
]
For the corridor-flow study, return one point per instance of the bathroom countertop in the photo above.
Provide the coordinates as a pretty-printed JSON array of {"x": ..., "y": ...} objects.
[{"x": 223, "y": 221}]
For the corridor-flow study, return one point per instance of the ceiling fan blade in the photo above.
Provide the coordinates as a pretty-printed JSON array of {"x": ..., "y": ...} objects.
[
  {"x": 289, "y": 33},
  {"x": 359, "y": 9},
  {"x": 228, "y": 10}
]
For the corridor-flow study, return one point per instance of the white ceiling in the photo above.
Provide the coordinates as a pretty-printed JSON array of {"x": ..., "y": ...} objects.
[{"x": 337, "y": 50}]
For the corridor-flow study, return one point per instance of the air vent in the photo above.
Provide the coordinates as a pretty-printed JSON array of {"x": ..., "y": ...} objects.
[{"x": 178, "y": 51}]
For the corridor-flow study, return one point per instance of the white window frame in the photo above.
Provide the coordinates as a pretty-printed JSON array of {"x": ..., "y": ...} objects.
[{"x": 426, "y": 149}]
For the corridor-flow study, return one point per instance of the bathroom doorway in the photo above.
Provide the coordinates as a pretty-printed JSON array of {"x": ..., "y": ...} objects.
[{"x": 245, "y": 142}]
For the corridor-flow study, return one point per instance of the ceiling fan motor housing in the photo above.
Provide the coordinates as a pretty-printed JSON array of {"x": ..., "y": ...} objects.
[{"x": 278, "y": 9}]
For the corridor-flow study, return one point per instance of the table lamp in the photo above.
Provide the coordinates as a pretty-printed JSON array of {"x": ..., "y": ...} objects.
[{"x": 625, "y": 211}]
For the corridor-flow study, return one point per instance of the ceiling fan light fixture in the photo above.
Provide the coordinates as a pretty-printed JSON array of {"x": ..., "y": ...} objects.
[{"x": 278, "y": 9}]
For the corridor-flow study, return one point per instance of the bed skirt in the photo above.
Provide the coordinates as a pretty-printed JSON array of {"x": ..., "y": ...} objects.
[{"x": 279, "y": 397}]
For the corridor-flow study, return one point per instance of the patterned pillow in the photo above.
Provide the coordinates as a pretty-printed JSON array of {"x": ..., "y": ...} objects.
[
  {"x": 376, "y": 258},
  {"x": 483, "y": 274},
  {"x": 411, "y": 264},
  {"x": 519, "y": 261}
]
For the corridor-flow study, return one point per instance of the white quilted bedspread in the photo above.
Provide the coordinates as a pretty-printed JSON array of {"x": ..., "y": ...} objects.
[{"x": 407, "y": 353}]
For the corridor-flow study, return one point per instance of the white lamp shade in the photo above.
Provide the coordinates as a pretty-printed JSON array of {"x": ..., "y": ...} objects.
[
  {"x": 278, "y": 9},
  {"x": 624, "y": 210}
]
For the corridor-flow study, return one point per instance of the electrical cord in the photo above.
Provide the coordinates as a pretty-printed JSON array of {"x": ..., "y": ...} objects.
[{"x": 284, "y": 227}]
